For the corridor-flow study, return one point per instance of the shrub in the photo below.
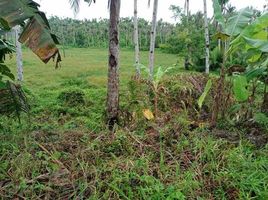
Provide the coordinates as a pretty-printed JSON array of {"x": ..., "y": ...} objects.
[{"x": 73, "y": 97}]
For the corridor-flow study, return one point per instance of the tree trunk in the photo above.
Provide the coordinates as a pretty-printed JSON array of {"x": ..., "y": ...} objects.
[
  {"x": 18, "y": 54},
  {"x": 152, "y": 43},
  {"x": 206, "y": 36},
  {"x": 187, "y": 60},
  {"x": 140, "y": 38},
  {"x": 136, "y": 39},
  {"x": 265, "y": 98},
  {"x": 187, "y": 9},
  {"x": 113, "y": 67}
]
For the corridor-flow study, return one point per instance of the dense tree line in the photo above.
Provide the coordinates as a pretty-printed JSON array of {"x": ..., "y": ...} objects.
[
  {"x": 94, "y": 33},
  {"x": 186, "y": 37}
]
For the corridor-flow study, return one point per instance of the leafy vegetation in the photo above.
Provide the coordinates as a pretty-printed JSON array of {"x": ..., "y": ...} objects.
[
  {"x": 179, "y": 134},
  {"x": 94, "y": 33},
  {"x": 66, "y": 151}
]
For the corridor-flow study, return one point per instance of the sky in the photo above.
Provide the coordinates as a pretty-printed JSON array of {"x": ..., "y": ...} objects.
[{"x": 61, "y": 8}]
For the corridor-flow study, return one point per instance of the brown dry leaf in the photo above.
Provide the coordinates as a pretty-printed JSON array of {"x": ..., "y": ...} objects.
[{"x": 148, "y": 114}]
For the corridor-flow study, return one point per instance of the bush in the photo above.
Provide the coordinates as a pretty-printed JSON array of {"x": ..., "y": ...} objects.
[{"x": 74, "y": 97}]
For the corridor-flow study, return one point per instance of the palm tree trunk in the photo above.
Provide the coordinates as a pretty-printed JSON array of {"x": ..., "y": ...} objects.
[
  {"x": 206, "y": 36},
  {"x": 136, "y": 38},
  {"x": 113, "y": 67},
  {"x": 18, "y": 54},
  {"x": 187, "y": 9},
  {"x": 187, "y": 60},
  {"x": 152, "y": 43}
]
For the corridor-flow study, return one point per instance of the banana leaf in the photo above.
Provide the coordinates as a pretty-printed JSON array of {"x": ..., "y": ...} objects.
[
  {"x": 236, "y": 24},
  {"x": 36, "y": 32},
  {"x": 254, "y": 35},
  {"x": 240, "y": 88},
  {"x": 218, "y": 13}
]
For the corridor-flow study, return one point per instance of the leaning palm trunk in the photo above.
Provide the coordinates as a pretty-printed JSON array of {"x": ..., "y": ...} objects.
[
  {"x": 18, "y": 54},
  {"x": 113, "y": 66},
  {"x": 152, "y": 43},
  {"x": 206, "y": 36},
  {"x": 136, "y": 39}
]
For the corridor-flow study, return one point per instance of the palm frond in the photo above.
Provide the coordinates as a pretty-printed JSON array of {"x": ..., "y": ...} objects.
[
  {"x": 75, "y": 5},
  {"x": 109, "y": 4}
]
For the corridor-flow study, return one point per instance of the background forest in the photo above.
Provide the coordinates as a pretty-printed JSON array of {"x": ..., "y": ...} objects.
[{"x": 170, "y": 38}]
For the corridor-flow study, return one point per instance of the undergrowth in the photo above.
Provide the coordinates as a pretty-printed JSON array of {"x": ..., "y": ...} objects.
[{"x": 64, "y": 151}]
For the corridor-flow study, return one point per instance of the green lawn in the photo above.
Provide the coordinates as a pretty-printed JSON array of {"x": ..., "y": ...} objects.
[{"x": 89, "y": 63}]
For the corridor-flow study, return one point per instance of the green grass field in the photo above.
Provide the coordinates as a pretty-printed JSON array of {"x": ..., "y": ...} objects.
[
  {"x": 63, "y": 150},
  {"x": 89, "y": 63}
]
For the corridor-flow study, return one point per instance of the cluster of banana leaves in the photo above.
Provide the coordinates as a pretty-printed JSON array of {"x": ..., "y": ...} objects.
[
  {"x": 36, "y": 35},
  {"x": 245, "y": 33}
]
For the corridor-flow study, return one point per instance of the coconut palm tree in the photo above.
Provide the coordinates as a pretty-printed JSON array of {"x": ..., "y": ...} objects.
[
  {"x": 206, "y": 36},
  {"x": 136, "y": 38},
  {"x": 187, "y": 10},
  {"x": 223, "y": 4},
  {"x": 113, "y": 68},
  {"x": 113, "y": 61},
  {"x": 18, "y": 54},
  {"x": 153, "y": 36},
  {"x": 186, "y": 7}
]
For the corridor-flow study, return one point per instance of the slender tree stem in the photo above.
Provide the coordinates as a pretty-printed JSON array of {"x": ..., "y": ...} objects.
[
  {"x": 113, "y": 67},
  {"x": 153, "y": 35},
  {"x": 136, "y": 38},
  {"x": 18, "y": 54},
  {"x": 206, "y": 36}
]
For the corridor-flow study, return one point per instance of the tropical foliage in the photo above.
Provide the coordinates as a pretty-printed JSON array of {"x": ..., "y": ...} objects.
[
  {"x": 246, "y": 33},
  {"x": 94, "y": 33},
  {"x": 36, "y": 33},
  {"x": 175, "y": 133}
]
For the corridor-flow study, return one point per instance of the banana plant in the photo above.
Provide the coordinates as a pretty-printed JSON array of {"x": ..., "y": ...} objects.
[
  {"x": 232, "y": 30},
  {"x": 36, "y": 35},
  {"x": 253, "y": 41},
  {"x": 36, "y": 32},
  {"x": 155, "y": 80},
  {"x": 242, "y": 30},
  {"x": 232, "y": 26},
  {"x": 247, "y": 34}
]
